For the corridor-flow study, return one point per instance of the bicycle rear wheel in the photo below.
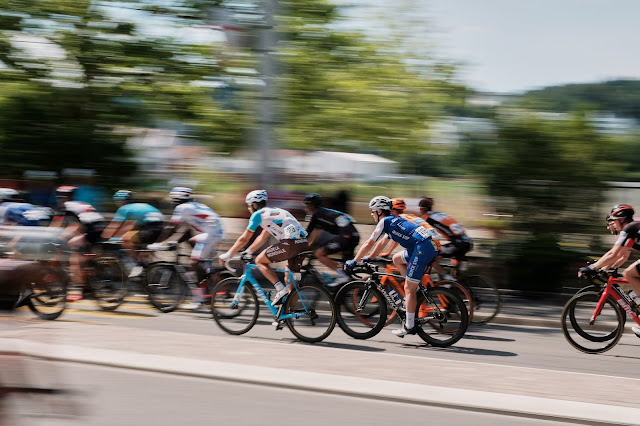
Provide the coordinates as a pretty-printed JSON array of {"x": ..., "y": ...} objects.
[
  {"x": 315, "y": 313},
  {"x": 442, "y": 317},
  {"x": 165, "y": 287},
  {"x": 216, "y": 276},
  {"x": 49, "y": 294},
  {"x": 462, "y": 292},
  {"x": 108, "y": 284},
  {"x": 361, "y": 310},
  {"x": 605, "y": 332},
  {"x": 234, "y": 309},
  {"x": 485, "y": 297}
]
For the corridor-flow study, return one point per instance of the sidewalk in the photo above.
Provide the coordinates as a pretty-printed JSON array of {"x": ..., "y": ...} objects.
[{"x": 335, "y": 369}]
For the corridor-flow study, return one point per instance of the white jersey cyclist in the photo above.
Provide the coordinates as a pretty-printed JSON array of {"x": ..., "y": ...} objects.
[
  {"x": 278, "y": 222},
  {"x": 202, "y": 219}
]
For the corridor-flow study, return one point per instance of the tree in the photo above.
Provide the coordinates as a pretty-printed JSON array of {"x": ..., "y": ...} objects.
[{"x": 78, "y": 72}]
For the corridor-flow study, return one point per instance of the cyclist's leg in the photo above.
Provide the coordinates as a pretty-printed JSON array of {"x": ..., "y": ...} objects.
[
  {"x": 423, "y": 254},
  {"x": 632, "y": 274}
]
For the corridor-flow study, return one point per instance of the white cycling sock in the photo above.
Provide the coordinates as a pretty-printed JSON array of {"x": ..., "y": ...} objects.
[
  {"x": 279, "y": 286},
  {"x": 411, "y": 320}
]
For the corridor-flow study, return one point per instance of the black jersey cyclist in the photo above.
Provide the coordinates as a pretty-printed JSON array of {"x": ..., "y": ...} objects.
[
  {"x": 620, "y": 221},
  {"x": 344, "y": 235}
]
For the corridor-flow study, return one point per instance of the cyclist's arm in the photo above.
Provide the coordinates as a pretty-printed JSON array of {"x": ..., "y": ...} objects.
[
  {"x": 258, "y": 242},
  {"x": 390, "y": 250},
  {"x": 364, "y": 249},
  {"x": 242, "y": 241},
  {"x": 617, "y": 255},
  {"x": 313, "y": 235}
]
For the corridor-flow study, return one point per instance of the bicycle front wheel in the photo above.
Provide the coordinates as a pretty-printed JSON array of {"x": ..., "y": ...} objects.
[
  {"x": 108, "y": 284},
  {"x": 603, "y": 334},
  {"x": 442, "y": 317},
  {"x": 165, "y": 287},
  {"x": 235, "y": 309},
  {"x": 49, "y": 294},
  {"x": 361, "y": 310},
  {"x": 485, "y": 298},
  {"x": 314, "y": 313}
]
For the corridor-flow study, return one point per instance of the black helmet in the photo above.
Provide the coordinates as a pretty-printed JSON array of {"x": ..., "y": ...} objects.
[
  {"x": 313, "y": 199},
  {"x": 426, "y": 203},
  {"x": 621, "y": 211}
]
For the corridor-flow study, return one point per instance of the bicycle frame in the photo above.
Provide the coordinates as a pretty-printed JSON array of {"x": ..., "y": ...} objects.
[
  {"x": 612, "y": 289},
  {"x": 247, "y": 277}
]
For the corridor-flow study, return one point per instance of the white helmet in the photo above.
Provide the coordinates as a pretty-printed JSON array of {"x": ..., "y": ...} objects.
[
  {"x": 180, "y": 194},
  {"x": 256, "y": 196},
  {"x": 8, "y": 194},
  {"x": 380, "y": 203}
]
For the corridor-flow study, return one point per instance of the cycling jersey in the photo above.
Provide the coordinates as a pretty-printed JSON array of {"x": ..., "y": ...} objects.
[
  {"x": 23, "y": 214},
  {"x": 420, "y": 249},
  {"x": 332, "y": 221},
  {"x": 84, "y": 213},
  {"x": 630, "y": 236},
  {"x": 445, "y": 224},
  {"x": 200, "y": 217},
  {"x": 435, "y": 236},
  {"x": 278, "y": 222},
  {"x": 142, "y": 213},
  {"x": 402, "y": 231}
]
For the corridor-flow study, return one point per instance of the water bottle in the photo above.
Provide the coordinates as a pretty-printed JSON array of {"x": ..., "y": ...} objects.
[{"x": 396, "y": 297}]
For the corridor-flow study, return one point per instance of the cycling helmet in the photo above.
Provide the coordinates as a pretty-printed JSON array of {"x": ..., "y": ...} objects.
[
  {"x": 180, "y": 194},
  {"x": 256, "y": 196},
  {"x": 621, "y": 211},
  {"x": 380, "y": 203},
  {"x": 123, "y": 195},
  {"x": 313, "y": 199},
  {"x": 66, "y": 191},
  {"x": 8, "y": 194},
  {"x": 398, "y": 204},
  {"x": 426, "y": 203}
]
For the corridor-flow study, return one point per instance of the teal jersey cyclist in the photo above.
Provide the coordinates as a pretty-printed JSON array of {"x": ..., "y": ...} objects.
[{"x": 291, "y": 236}]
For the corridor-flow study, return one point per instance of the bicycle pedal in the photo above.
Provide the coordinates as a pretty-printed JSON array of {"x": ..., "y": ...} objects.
[{"x": 278, "y": 324}]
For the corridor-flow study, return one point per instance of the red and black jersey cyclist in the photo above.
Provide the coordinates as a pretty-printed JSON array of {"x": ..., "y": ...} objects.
[
  {"x": 459, "y": 242},
  {"x": 83, "y": 227},
  {"x": 620, "y": 221},
  {"x": 344, "y": 235}
]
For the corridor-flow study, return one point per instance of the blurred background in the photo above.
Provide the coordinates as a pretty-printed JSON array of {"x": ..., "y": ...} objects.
[{"x": 350, "y": 99}]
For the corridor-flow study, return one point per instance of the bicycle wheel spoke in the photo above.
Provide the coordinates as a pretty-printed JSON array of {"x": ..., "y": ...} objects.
[
  {"x": 236, "y": 312},
  {"x": 486, "y": 299},
  {"x": 599, "y": 336},
  {"x": 109, "y": 285},
  {"x": 165, "y": 287},
  {"x": 443, "y": 317},
  {"x": 48, "y": 297},
  {"x": 314, "y": 310},
  {"x": 361, "y": 311}
]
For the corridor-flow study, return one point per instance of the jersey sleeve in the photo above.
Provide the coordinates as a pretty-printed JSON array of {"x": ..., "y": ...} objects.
[
  {"x": 377, "y": 233},
  {"x": 121, "y": 214},
  {"x": 178, "y": 213},
  {"x": 254, "y": 221}
]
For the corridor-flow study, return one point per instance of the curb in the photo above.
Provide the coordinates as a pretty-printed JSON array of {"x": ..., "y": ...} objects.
[{"x": 471, "y": 400}]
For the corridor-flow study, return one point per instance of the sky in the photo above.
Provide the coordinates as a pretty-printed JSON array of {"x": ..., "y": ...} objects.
[{"x": 512, "y": 46}]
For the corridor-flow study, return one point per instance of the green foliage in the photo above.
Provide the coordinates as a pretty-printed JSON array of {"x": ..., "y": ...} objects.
[
  {"x": 78, "y": 73},
  {"x": 620, "y": 97}
]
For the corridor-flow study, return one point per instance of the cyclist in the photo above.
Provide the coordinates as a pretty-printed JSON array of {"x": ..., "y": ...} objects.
[
  {"x": 420, "y": 250},
  {"x": 136, "y": 224},
  {"x": 620, "y": 221},
  {"x": 344, "y": 235},
  {"x": 196, "y": 223},
  {"x": 459, "y": 242},
  {"x": 83, "y": 226},
  {"x": 14, "y": 211},
  {"x": 291, "y": 236}
]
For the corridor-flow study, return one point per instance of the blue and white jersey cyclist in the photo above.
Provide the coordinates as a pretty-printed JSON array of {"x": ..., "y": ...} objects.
[
  {"x": 14, "y": 211},
  {"x": 291, "y": 236},
  {"x": 419, "y": 251}
]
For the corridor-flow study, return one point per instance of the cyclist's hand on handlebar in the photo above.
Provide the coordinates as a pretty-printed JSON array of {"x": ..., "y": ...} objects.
[
  {"x": 349, "y": 265},
  {"x": 246, "y": 255},
  {"x": 587, "y": 272},
  {"x": 223, "y": 258}
]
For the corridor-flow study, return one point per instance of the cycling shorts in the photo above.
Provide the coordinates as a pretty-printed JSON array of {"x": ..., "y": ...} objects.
[
  {"x": 204, "y": 246},
  {"x": 288, "y": 250},
  {"x": 420, "y": 257},
  {"x": 344, "y": 243},
  {"x": 146, "y": 234},
  {"x": 457, "y": 248}
]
